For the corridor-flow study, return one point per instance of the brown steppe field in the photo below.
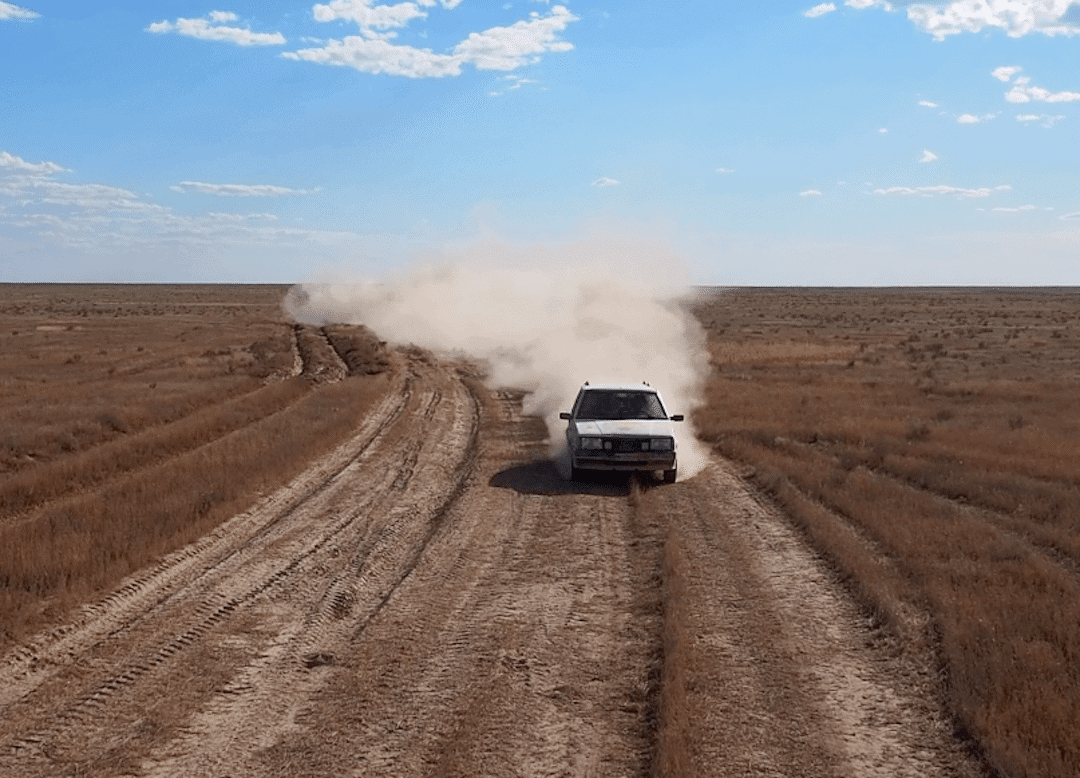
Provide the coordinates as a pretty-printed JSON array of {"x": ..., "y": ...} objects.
[
  {"x": 878, "y": 575},
  {"x": 135, "y": 418},
  {"x": 925, "y": 441}
]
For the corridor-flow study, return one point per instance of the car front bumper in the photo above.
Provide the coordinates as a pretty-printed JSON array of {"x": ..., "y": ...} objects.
[{"x": 627, "y": 462}]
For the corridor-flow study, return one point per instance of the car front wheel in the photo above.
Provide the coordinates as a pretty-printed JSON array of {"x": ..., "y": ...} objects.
[{"x": 669, "y": 476}]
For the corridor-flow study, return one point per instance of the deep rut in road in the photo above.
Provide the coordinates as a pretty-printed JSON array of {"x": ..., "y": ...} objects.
[
  {"x": 782, "y": 673},
  {"x": 434, "y": 599}
]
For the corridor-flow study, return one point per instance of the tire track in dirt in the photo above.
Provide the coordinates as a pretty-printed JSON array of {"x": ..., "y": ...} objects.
[
  {"x": 321, "y": 361},
  {"x": 434, "y": 600},
  {"x": 28, "y": 665},
  {"x": 520, "y": 644},
  {"x": 297, "y": 359},
  {"x": 267, "y": 566},
  {"x": 261, "y": 701},
  {"x": 784, "y": 676}
]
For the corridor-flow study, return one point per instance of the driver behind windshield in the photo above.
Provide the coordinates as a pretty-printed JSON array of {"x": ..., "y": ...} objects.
[{"x": 601, "y": 405}]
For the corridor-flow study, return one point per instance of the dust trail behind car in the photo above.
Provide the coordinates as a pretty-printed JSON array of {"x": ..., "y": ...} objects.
[{"x": 542, "y": 320}]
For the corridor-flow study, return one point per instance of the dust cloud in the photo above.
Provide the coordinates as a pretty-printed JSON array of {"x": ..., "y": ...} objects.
[{"x": 540, "y": 319}]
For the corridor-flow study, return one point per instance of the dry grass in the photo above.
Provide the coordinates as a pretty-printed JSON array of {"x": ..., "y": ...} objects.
[
  {"x": 673, "y": 751},
  {"x": 31, "y": 487},
  {"x": 178, "y": 416},
  {"x": 87, "y": 364},
  {"x": 362, "y": 351},
  {"x": 924, "y": 440}
]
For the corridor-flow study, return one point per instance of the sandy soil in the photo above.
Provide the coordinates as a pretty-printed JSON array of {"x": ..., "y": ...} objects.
[{"x": 433, "y": 599}]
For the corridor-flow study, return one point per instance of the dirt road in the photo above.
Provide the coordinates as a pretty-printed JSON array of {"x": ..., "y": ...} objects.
[{"x": 433, "y": 599}]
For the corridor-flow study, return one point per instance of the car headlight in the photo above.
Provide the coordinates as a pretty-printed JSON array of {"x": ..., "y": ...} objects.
[
  {"x": 662, "y": 444},
  {"x": 590, "y": 443}
]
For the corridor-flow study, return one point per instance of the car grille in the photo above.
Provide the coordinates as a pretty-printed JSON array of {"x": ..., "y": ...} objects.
[{"x": 628, "y": 445}]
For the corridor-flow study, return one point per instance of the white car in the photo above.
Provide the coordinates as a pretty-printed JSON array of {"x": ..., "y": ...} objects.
[{"x": 621, "y": 427}]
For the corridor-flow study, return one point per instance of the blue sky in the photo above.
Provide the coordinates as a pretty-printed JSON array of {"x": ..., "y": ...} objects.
[{"x": 777, "y": 143}]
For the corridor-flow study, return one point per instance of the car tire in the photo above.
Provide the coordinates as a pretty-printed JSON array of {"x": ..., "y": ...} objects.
[
  {"x": 575, "y": 473},
  {"x": 669, "y": 475}
]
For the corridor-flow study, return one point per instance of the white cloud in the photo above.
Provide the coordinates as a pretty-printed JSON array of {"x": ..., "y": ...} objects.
[
  {"x": 237, "y": 190},
  {"x": 516, "y": 82},
  {"x": 241, "y": 217},
  {"x": 970, "y": 118},
  {"x": 34, "y": 168},
  {"x": 883, "y": 130},
  {"x": 819, "y": 10},
  {"x": 26, "y": 190},
  {"x": 367, "y": 16},
  {"x": 1022, "y": 93},
  {"x": 1018, "y": 209},
  {"x": 204, "y": 30},
  {"x": 1005, "y": 72},
  {"x": 506, "y": 48},
  {"x": 928, "y": 156},
  {"x": 605, "y": 181},
  {"x": 861, "y": 4},
  {"x": 928, "y": 104},
  {"x": 1070, "y": 216},
  {"x": 1046, "y": 120},
  {"x": 103, "y": 220},
  {"x": 11, "y": 11},
  {"x": 1015, "y": 17},
  {"x": 810, "y": 193},
  {"x": 724, "y": 170},
  {"x": 497, "y": 48},
  {"x": 375, "y": 55},
  {"x": 941, "y": 189}
]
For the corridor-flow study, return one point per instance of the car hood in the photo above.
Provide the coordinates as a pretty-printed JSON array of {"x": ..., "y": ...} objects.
[{"x": 630, "y": 427}]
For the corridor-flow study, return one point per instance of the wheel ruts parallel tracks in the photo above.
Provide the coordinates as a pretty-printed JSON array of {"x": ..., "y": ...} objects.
[
  {"x": 354, "y": 509},
  {"x": 432, "y": 599}
]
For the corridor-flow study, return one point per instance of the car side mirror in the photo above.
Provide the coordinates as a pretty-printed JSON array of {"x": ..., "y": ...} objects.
[
  {"x": 677, "y": 417},
  {"x": 564, "y": 416}
]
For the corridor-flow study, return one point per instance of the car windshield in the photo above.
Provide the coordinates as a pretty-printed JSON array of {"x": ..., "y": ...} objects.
[{"x": 612, "y": 404}]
